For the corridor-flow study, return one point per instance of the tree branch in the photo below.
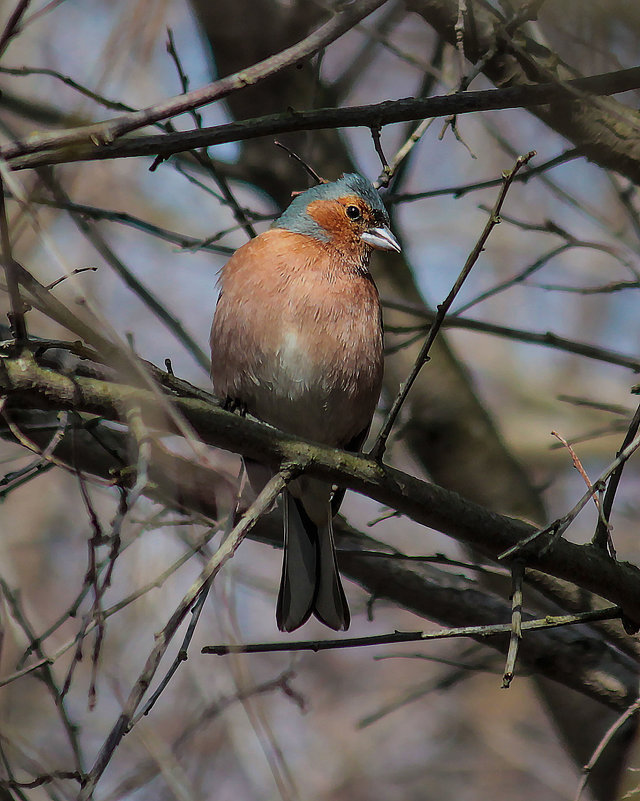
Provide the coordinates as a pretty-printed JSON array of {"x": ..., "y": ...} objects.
[
  {"x": 109, "y": 131},
  {"x": 30, "y": 153},
  {"x": 22, "y": 380}
]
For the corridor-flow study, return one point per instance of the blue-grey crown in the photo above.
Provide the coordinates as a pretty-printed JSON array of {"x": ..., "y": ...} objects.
[{"x": 295, "y": 217}]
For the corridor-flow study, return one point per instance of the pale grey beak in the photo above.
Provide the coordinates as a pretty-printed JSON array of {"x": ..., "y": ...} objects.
[{"x": 381, "y": 238}]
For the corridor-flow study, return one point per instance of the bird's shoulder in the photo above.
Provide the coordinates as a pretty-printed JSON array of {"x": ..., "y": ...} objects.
[{"x": 279, "y": 256}]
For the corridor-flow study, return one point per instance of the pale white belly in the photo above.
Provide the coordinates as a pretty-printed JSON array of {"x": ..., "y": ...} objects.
[{"x": 297, "y": 393}]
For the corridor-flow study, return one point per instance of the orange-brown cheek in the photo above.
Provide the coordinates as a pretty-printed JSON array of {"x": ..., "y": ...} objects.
[{"x": 330, "y": 215}]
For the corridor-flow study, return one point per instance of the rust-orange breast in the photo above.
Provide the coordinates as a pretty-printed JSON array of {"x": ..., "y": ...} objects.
[{"x": 297, "y": 337}]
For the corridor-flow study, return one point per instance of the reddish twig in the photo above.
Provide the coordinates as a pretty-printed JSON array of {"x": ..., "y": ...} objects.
[{"x": 578, "y": 466}]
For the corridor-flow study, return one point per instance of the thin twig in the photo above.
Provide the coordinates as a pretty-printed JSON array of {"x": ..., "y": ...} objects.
[
  {"x": 146, "y": 296},
  {"x": 463, "y": 189},
  {"x": 65, "y": 79},
  {"x": 530, "y": 269},
  {"x": 547, "y": 339},
  {"x": 77, "y": 271},
  {"x": 72, "y": 730},
  {"x": 517, "y": 578},
  {"x": 45, "y": 778},
  {"x": 12, "y": 28},
  {"x": 301, "y": 161},
  {"x": 548, "y": 622},
  {"x": 578, "y": 466},
  {"x": 559, "y": 526},
  {"x": 181, "y": 656},
  {"x": 202, "y": 156},
  {"x": 375, "y": 136},
  {"x": 602, "y": 534},
  {"x": 124, "y": 218},
  {"x": 604, "y": 742},
  {"x": 262, "y": 503},
  {"x": 378, "y": 449},
  {"x": 72, "y": 611},
  {"x": 16, "y": 315}
]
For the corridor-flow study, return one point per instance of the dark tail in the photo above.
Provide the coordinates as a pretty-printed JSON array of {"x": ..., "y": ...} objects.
[{"x": 310, "y": 579}]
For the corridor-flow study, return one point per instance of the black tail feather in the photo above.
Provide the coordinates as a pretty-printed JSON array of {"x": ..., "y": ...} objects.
[{"x": 310, "y": 579}]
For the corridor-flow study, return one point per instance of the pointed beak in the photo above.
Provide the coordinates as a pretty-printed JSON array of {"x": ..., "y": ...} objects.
[{"x": 381, "y": 238}]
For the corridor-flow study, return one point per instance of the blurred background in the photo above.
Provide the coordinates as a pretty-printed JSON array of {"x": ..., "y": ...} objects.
[{"x": 426, "y": 723}]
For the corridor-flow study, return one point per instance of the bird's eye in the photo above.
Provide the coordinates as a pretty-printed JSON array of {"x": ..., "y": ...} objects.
[{"x": 353, "y": 212}]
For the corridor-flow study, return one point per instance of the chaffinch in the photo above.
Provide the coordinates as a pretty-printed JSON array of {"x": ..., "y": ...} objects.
[{"x": 296, "y": 341}]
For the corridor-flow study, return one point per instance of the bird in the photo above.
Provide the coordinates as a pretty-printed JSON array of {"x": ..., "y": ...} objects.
[{"x": 297, "y": 342}]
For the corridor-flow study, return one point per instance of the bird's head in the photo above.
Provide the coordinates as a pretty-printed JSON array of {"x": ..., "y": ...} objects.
[{"x": 347, "y": 213}]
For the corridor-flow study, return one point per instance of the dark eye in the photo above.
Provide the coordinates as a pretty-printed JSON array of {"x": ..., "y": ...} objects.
[{"x": 353, "y": 212}]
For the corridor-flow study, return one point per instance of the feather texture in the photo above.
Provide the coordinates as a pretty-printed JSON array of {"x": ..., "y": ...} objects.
[{"x": 296, "y": 340}]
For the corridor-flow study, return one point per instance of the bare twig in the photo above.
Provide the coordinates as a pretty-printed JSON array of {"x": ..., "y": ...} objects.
[
  {"x": 463, "y": 189},
  {"x": 72, "y": 611},
  {"x": 124, "y": 218},
  {"x": 46, "y": 675},
  {"x": 148, "y": 298},
  {"x": 77, "y": 271},
  {"x": 559, "y": 526},
  {"x": 39, "y": 151},
  {"x": 146, "y": 771},
  {"x": 604, "y": 742},
  {"x": 578, "y": 466},
  {"x": 109, "y": 131},
  {"x": 309, "y": 169},
  {"x": 602, "y": 534},
  {"x": 547, "y": 339},
  {"x": 181, "y": 657},
  {"x": 530, "y": 269},
  {"x": 12, "y": 28},
  {"x": 378, "y": 449},
  {"x": 550, "y": 621},
  {"x": 202, "y": 156},
  {"x": 16, "y": 315},
  {"x": 65, "y": 79},
  {"x": 517, "y": 578},
  {"x": 264, "y": 500},
  {"x": 375, "y": 135},
  {"x": 45, "y": 778}
]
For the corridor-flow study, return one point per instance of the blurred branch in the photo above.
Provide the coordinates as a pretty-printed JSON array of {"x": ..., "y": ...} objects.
[
  {"x": 46, "y": 674},
  {"x": 148, "y": 770},
  {"x": 546, "y": 339},
  {"x": 12, "y": 28},
  {"x": 158, "y": 308},
  {"x": 461, "y": 190},
  {"x": 262, "y": 503},
  {"x": 11, "y": 271},
  {"x": 604, "y": 742},
  {"x": 606, "y": 134},
  {"x": 109, "y": 131}
]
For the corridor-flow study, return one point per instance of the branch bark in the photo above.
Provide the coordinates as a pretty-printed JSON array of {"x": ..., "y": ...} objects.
[
  {"x": 23, "y": 381},
  {"x": 55, "y": 148}
]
